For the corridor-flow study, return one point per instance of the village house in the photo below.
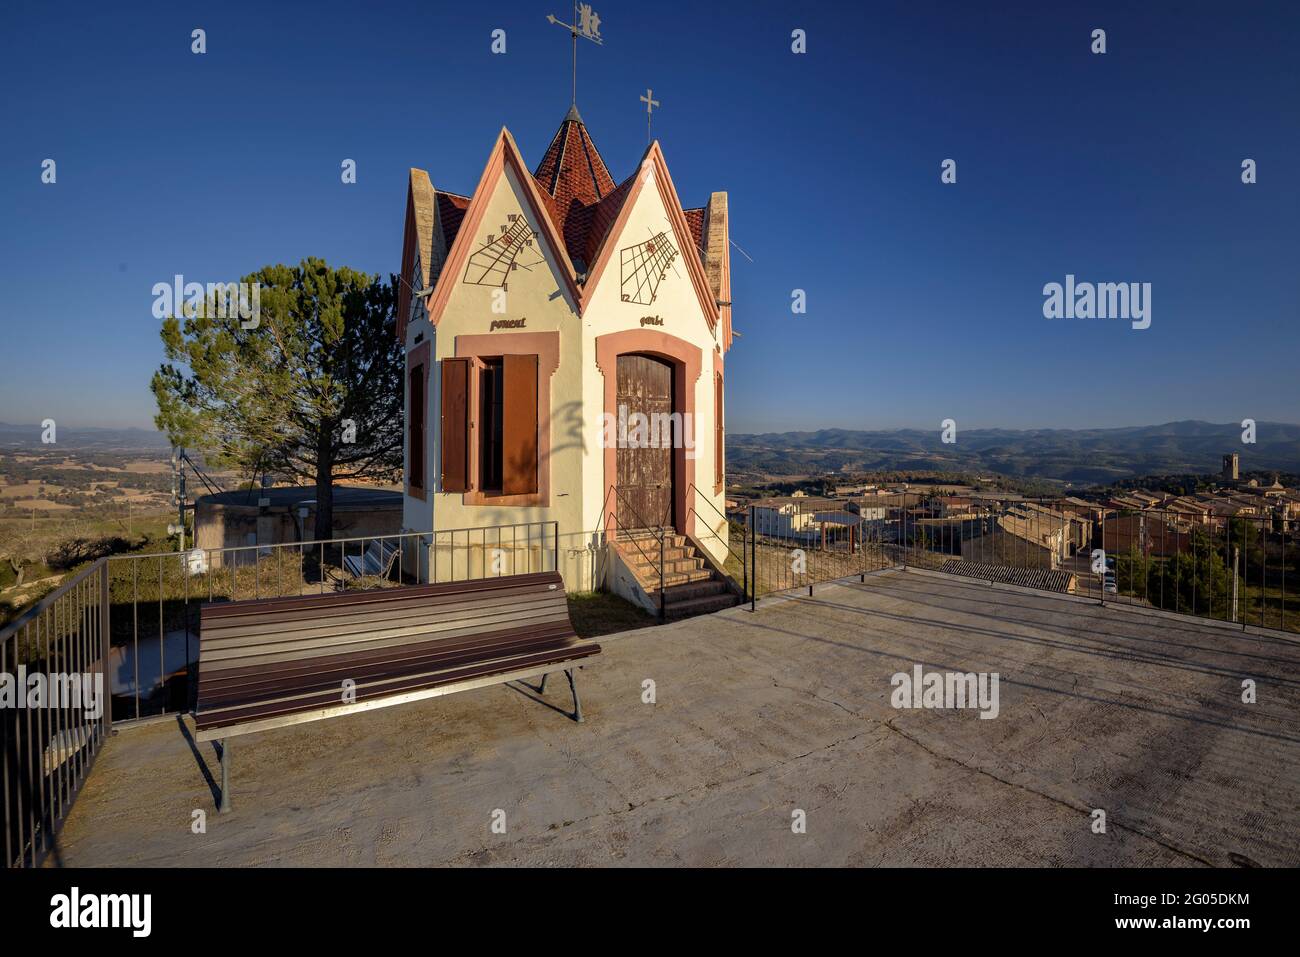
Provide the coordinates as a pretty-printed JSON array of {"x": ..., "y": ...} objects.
[
  {"x": 1078, "y": 529},
  {"x": 801, "y": 517},
  {"x": 1160, "y": 535},
  {"x": 1021, "y": 537},
  {"x": 566, "y": 336}
]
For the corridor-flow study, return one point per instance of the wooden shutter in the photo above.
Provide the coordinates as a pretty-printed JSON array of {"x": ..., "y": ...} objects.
[
  {"x": 455, "y": 425},
  {"x": 415, "y": 430},
  {"x": 519, "y": 425}
]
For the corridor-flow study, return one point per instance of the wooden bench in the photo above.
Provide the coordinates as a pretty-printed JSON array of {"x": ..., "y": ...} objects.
[
  {"x": 376, "y": 561},
  {"x": 282, "y": 661}
]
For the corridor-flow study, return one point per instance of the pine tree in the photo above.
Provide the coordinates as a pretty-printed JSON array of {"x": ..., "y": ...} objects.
[{"x": 312, "y": 390}]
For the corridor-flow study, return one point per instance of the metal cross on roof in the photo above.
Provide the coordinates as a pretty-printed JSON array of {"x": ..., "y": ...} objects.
[
  {"x": 586, "y": 24},
  {"x": 650, "y": 104}
]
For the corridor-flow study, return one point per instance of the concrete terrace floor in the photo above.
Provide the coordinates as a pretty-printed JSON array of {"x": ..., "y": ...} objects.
[{"x": 759, "y": 714}]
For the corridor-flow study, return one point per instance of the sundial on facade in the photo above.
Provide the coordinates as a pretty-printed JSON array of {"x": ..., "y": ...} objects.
[
  {"x": 644, "y": 266},
  {"x": 493, "y": 262}
]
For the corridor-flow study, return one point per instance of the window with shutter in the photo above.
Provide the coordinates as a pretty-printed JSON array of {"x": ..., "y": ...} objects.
[
  {"x": 455, "y": 425},
  {"x": 415, "y": 431},
  {"x": 503, "y": 436}
]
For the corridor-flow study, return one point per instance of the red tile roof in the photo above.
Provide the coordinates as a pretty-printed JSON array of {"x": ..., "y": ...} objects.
[
  {"x": 695, "y": 219},
  {"x": 602, "y": 219},
  {"x": 451, "y": 210},
  {"x": 578, "y": 192},
  {"x": 574, "y": 180}
]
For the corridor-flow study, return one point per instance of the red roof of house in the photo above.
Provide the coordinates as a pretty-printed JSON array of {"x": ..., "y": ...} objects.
[
  {"x": 579, "y": 194},
  {"x": 451, "y": 211},
  {"x": 695, "y": 219},
  {"x": 573, "y": 179}
]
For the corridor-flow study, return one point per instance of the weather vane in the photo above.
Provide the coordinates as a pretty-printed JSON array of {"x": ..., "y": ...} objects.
[
  {"x": 586, "y": 24},
  {"x": 650, "y": 104}
]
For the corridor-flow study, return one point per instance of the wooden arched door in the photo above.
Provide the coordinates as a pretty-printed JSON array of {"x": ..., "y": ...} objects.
[{"x": 645, "y": 441}]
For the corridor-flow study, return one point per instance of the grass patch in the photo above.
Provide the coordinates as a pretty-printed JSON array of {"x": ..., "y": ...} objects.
[{"x": 602, "y": 613}]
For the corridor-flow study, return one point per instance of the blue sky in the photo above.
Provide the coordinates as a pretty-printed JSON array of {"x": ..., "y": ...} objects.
[{"x": 924, "y": 300}]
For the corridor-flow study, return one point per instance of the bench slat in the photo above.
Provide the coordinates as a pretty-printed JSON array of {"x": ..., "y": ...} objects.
[
  {"x": 394, "y": 604},
  {"x": 279, "y": 653},
  {"x": 330, "y": 690},
  {"x": 225, "y": 717},
  {"x": 224, "y": 639},
  {"x": 330, "y": 602},
  {"x": 559, "y": 630},
  {"x": 331, "y": 676}
]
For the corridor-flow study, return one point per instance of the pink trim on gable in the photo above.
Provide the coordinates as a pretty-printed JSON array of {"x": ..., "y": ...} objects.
[
  {"x": 682, "y": 230},
  {"x": 505, "y": 151}
]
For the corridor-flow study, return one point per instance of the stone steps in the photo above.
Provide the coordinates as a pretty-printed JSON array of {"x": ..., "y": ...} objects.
[
  {"x": 677, "y": 610},
  {"x": 690, "y": 586}
]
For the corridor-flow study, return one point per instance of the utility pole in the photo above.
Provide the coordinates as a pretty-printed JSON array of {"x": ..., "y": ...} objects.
[
  {"x": 178, "y": 495},
  {"x": 180, "y": 512}
]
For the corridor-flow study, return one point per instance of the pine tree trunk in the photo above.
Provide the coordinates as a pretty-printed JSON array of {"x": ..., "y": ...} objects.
[{"x": 324, "y": 488}]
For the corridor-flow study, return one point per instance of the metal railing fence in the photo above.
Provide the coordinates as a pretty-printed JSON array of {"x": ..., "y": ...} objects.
[
  {"x": 1240, "y": 567},
  {"x": 55, "y": 714}
]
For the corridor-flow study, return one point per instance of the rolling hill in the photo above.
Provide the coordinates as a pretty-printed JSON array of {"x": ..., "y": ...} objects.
[{"x": 1072, "y": 455}]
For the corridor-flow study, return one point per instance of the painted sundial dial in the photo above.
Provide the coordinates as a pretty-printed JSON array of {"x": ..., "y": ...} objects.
[
  {"x": 643, "y": 267},
  {"x": 499, "y": 255}
]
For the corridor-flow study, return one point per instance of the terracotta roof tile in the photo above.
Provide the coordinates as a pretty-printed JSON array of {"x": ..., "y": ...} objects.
[
  {"x": 578, "y": 192},
  {"x": 695, "y": 219},
  {"x": 451, "y": 212},
  {"x": 602, "y": 218},
  {"x": 574, "y": 179}
]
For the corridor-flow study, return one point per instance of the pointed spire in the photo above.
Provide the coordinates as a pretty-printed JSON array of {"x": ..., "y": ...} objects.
[
  {"x": 572, "y": 167},
  {"x": 573, "y": 179}
]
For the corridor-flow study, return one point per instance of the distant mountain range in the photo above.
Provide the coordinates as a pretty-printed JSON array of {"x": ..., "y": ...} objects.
[
  {"x": 1072, "y": 455},
  {"x": 1069, "y": 455},
  {"x": 29, "y": 436}
]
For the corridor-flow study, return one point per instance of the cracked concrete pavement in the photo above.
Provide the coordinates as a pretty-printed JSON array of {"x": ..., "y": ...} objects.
[{"x": 758, "y": 715}]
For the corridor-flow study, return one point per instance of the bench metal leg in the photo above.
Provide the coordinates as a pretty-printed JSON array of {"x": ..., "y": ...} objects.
[
  {"x": 577, "y": 703},
  {"x": 224, "y": 806},
  {"x": 542, "y": 688}
]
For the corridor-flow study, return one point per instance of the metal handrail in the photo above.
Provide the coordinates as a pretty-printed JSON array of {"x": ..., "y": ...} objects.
[
  {"x": 48, "y": 601},
  {"x": 283, "y": 545},
  {"x": 744, "y": 564},
  {"x": 613, "y": 490},
  {"x": 1250, "y": 551},
  {"x": 47, "y": 750}
]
